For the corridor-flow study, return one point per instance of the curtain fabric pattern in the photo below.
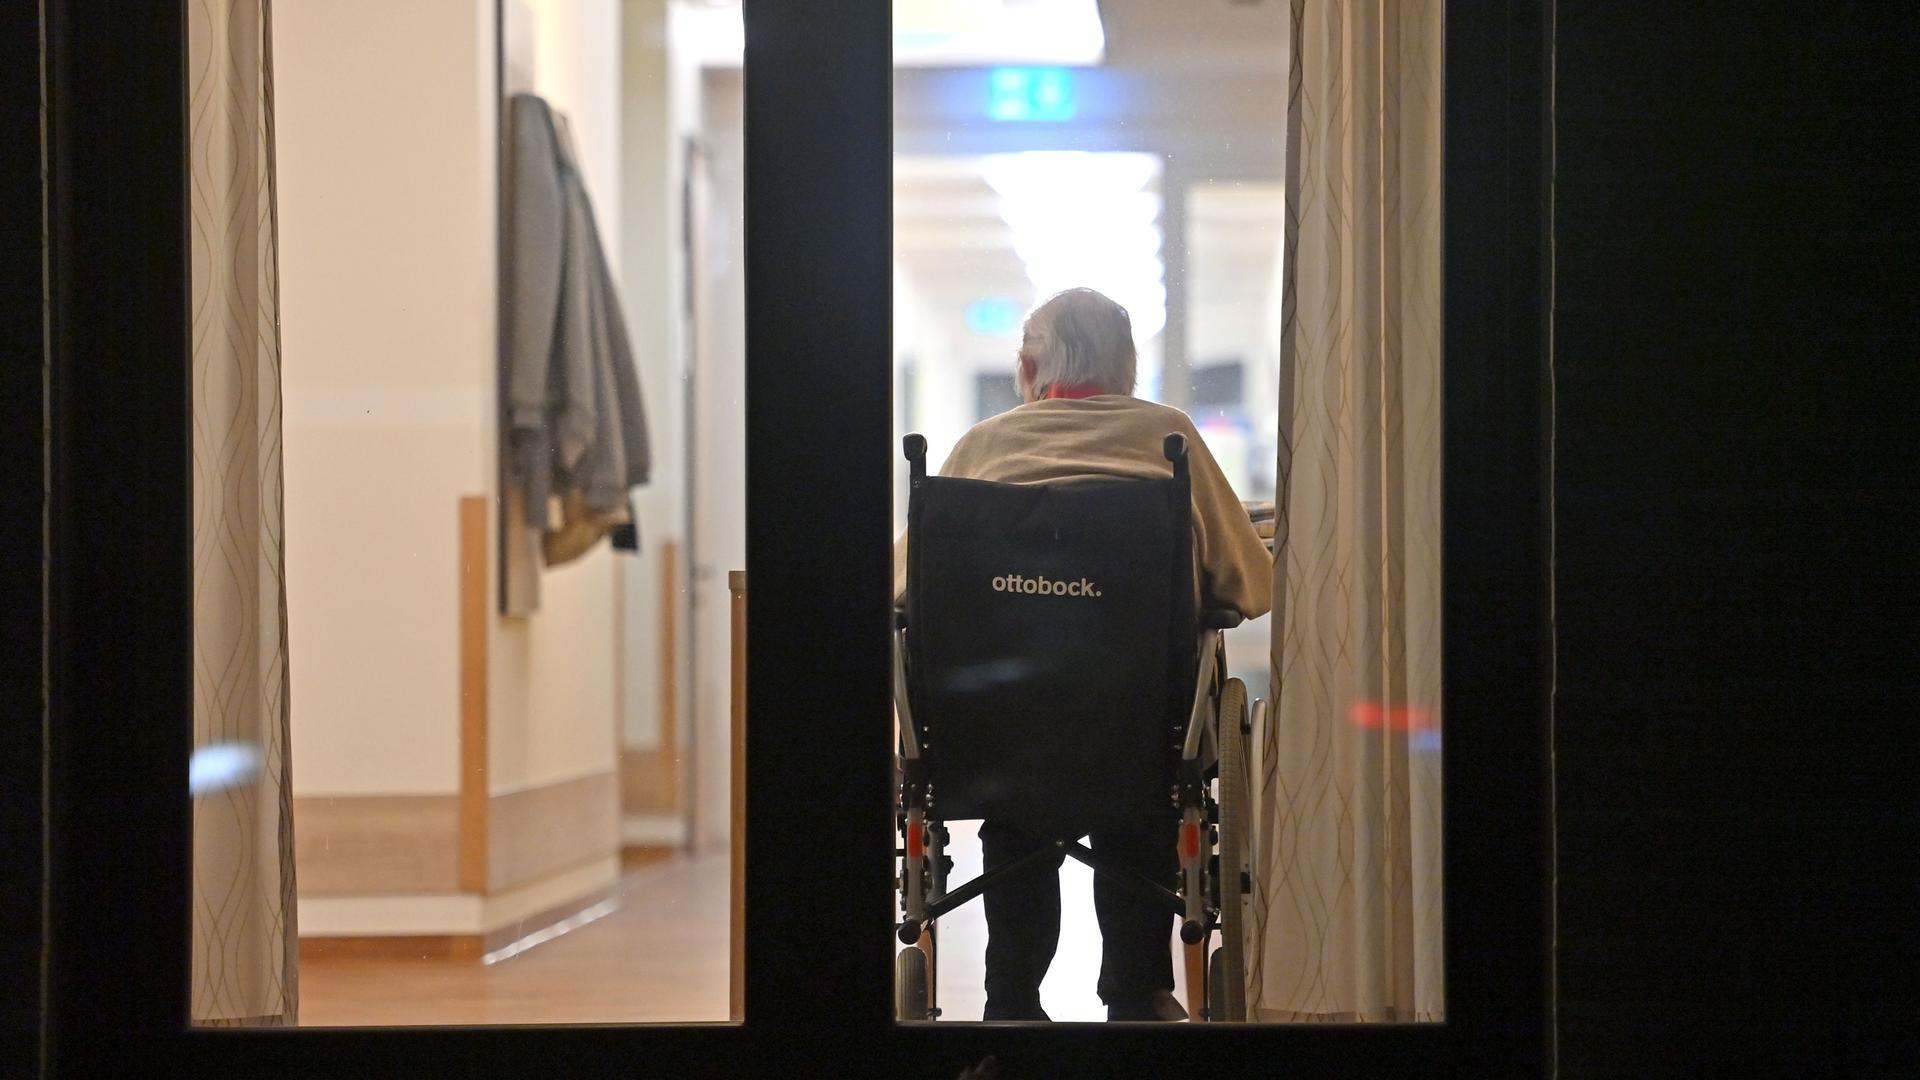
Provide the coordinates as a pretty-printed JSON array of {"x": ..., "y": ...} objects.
[
  {"x": 244, "y": 937},
  {"x": 1348, "y": 914}
]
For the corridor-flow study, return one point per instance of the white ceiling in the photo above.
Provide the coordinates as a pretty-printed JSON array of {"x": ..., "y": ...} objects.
[
  {"x": 1245, "y": 37},
  {"x": 950, "y": 240},
  {"x": 953, "y": 246}
]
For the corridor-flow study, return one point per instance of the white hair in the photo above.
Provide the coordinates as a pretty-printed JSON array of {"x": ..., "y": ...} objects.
[{"x": 1080, "y": 338}]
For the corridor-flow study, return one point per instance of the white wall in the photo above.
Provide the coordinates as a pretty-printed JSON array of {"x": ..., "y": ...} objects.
[
  {"x": 576, "y": 67},
  {"x": 387, "y": 131},
  {"x": 649, "y": 246},
  {"x": 387, "y": 331},
  {"x": 553, "y": 701},
  {"x": 718, "y": 473}
]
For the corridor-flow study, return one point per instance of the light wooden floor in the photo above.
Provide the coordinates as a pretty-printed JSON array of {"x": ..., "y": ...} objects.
[{"x": 661, "y": 958}]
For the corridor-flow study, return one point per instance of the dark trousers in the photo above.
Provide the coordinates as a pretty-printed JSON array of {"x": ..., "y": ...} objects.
[{"x": 1023, "y": 918}]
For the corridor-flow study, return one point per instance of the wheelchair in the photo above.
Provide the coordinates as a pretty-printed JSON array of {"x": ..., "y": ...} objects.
[{"x": 1049, "y": 669}]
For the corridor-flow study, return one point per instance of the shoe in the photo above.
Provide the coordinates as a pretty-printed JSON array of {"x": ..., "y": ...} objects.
[{"x": 1161, "y": 1007}]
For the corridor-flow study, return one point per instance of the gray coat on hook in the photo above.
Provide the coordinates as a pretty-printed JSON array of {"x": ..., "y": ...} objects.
[{"x": 570, "y": 393}]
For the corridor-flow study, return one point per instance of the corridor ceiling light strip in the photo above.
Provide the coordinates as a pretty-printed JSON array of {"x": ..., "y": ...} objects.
[
  {"x": 927, "y": 33},
  {"x": 1081, "y": 218},
  {"x": 1053, "y": 171},
  {"x": 970, "y": 33}
]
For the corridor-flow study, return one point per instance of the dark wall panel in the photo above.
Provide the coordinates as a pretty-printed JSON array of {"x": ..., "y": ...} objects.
[
  {"x": 1736, "y": 377},
  {"x": 22, "y": 579}
]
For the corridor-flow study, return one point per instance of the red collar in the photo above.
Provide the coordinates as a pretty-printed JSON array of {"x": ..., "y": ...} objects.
[{"x": 1073, "y": 391}]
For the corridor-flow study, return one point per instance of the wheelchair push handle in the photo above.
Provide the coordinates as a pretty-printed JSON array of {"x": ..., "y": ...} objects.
[
  {"x": 915, "y": 447},
  {"x": 1174, "y": 448}
]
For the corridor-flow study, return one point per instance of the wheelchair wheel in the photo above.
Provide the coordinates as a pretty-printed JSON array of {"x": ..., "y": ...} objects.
[
  {"x": 1227, "y": 974},
  {"x": 910, "y": 984}
]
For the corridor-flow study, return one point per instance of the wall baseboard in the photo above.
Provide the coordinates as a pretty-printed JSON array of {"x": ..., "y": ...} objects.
[
  {"x": 539, "y": 830},
  {"x": 363, "y": 845},
  {"x": 422, "y": 947},
  {"x": 653, "y": 830},
  {"x": 383, "y": 845},
  {"x": 447, "y": 948}
]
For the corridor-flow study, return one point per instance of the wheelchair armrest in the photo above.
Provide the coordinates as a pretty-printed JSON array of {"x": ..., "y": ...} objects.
[{"x": 1220, "y": 619}]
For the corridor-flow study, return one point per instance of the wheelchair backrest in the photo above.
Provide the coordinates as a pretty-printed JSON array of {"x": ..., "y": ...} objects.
[{"x": 1050, "y": 632}]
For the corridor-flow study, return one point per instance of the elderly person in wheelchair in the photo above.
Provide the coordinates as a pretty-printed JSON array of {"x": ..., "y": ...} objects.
[{"x": 1058, "y": 674}]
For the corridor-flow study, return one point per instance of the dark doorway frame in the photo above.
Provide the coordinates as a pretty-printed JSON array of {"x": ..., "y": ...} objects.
[{"x": 117, "y": 564}]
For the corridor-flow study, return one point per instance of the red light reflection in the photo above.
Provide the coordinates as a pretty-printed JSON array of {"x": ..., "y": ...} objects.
[{"x": 1369, "y": 713}]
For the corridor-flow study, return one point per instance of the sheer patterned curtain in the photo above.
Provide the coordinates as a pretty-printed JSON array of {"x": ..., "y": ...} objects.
[
  {"x": 244, "y": 938},
  {"x": 1348, "y": 914}
]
